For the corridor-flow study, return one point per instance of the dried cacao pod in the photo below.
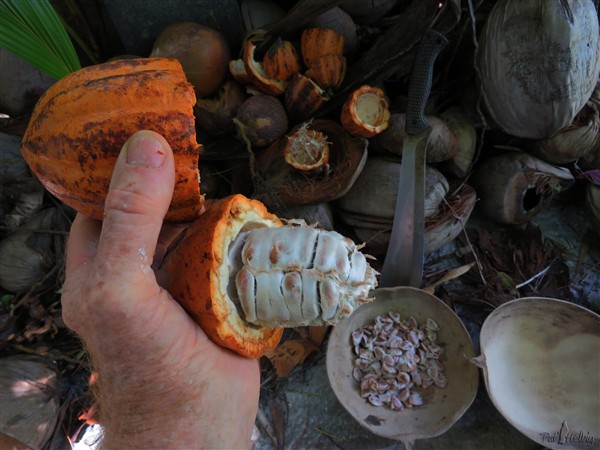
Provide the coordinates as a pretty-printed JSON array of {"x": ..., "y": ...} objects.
[
  {"x": 539, "y": 63},
  {"x": 79, "y": 125}
]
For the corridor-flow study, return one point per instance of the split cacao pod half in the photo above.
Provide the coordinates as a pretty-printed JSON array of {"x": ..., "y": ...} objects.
[
  {"x": 280, "y": 184},
  {"x": 199, "y": 274},
  {"x": 79, "y": 125}
]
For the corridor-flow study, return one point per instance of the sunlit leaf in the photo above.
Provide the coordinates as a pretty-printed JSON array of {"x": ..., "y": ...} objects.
[{"x": 32, "y": 30}]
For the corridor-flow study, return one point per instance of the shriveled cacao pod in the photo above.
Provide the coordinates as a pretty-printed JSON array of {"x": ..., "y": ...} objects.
[
  {"x": 79, "y": 125},
  {"x": 539, "y": 63}
]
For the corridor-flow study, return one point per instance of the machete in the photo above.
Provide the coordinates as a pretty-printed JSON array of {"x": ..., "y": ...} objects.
[{"x": 403, "y": 264}]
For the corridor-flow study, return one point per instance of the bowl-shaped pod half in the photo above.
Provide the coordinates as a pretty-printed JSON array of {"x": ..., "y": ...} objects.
[
  {"x": 199, "y": 274},
  {"x": 442, "y": 407},
  {"x": 540, "y": 363},
  {"x": 79, "y": 125}
]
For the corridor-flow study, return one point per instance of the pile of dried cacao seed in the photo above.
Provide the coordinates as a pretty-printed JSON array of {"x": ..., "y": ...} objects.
[{"x": 396, "y": 360}]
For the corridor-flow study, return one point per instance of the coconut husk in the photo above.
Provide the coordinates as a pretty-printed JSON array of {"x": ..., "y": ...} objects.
[
  {"x": 278, "y": 184},
  {"x": 29, "y": 253},
  {"x": 441, "y": 144},
  {"x": 514, "y": 187},
  {"x": 29, "y": 399},
  {"x": 376, "y": 190},
  {"x": 21, "y": 195},
  {"x": 573, "y": 142},
  {"x": 440, "y": 229},
  {"x": 466, "y": 142}
]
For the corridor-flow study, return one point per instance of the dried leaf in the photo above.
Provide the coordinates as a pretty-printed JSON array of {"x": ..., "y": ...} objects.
[
  {"x": 290, "y": 354},
  {"x": 449, "y": 275},
  {"x": 317, "y": 334}
]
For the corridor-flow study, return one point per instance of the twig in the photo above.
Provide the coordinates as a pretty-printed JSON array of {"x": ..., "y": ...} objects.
[
  {"x": 462, "y": 224},
  {"x": 540, "y": 274},
  {"x": 266, "y": 425}
]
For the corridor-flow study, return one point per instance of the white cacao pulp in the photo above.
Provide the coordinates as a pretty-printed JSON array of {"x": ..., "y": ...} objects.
[
  {"x": 539, "y": 62},
  {"x": 298, "y": 275}
]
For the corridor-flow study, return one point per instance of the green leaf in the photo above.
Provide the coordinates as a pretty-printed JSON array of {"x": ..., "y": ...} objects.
[
  {"x": 6, "y": 300},
  {"x": 32, "y": 30},
  {"x": 506, "y": 279}
]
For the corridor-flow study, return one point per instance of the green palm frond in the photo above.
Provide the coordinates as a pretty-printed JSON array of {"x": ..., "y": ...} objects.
[{"x": 33, "y": 30}]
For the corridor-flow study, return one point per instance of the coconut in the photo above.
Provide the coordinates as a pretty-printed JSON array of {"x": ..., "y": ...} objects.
[
  {"x": 375, "y": 191},
  {"x": 514, "y": 187},
  {"x": 215, "y": 114},
  {"x": 573, "y": 142},
  {"x": 441, "y": 144},
  {"x": 203, "y": 52},
  {"x": 21, "y": 195},
  {"x": 539, "y": 62},
  {"x": 29, "y": 399},
  {"x": 262, "y": 119},
  {"x": 370, "y": 205},
  {"x": 27, "y": 254},
  {"x": 440, "y": 229},
  {"x": 466, "y": 142}
]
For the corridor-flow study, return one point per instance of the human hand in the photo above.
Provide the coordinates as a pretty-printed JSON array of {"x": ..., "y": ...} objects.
[{"x": 162, "y": 382}]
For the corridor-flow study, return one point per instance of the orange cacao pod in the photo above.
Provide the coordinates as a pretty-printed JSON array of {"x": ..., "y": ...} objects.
[
  {"x": 365, "y": 112},
  {"x": 317, "y": 42},
  {"x": 281, "y": 60},
  {"x": 199, "y": 271},
  {"x": 328, "y": 71},
  {"x": 79, "y": 125}
]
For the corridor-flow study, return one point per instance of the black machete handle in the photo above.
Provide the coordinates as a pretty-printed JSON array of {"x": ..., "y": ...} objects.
[{"x": 419, "y": 86}]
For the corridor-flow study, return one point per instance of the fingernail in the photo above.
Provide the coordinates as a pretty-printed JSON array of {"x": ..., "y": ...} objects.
[{"x": 145, "y": 151}]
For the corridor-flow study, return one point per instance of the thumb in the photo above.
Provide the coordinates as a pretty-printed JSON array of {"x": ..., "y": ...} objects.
[{"x": 138, "y": 198}]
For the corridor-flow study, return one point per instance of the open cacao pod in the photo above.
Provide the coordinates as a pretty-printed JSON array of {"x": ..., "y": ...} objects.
[
  {"x": 79, "y": 125},
  {"x": 199, "y": 274}
]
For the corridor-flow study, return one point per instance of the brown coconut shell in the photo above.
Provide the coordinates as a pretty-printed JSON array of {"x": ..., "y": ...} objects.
[
  {"x": 199, "y": 274},
  {"x": 279, "y": 184},
  {"x": 263, "y": 118},
  {"x": 215, "y": 114},
  {"x": 79, "y": 125}
]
